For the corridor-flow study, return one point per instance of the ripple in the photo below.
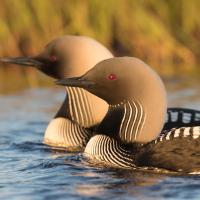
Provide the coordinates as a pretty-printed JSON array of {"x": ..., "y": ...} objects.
[
  {"x": 30, "y": 146},
  {"x": 30, "y": 169}
]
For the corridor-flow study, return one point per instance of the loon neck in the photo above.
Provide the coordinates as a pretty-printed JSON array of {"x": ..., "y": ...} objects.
[
  {"x": 78, "y": 107},
  {"x": 124, "y": 121},
  {"x": 110, "y": 125},
  {"x": 82, "y": 108}
]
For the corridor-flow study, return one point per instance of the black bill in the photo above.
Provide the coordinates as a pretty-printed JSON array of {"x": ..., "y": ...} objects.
[
  {"x": 22, "y": 61},
  {"x": 75, "y": 82}
]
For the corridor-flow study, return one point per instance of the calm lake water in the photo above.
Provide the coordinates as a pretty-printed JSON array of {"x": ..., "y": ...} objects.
[{"x": 31, "y": 170}]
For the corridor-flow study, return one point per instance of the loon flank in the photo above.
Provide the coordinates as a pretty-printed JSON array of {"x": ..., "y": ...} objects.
[
  {"x": 65, "y": 57},
  {"x": 128, "y": 135}
]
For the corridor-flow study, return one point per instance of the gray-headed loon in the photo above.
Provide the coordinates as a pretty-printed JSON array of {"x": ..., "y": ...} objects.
[
  {"x": 65, "y": 57},
  {"x": 129, "y": 135}
]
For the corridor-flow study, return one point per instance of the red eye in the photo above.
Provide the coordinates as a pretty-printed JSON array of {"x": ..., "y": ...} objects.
[
  {"x": 112, "y": 77},
  {"x": 53, "y": 58}
]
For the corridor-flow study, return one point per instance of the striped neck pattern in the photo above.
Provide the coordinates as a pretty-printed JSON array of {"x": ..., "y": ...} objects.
[
  {"x": 133, "y": 121},
  {"x": 80, "y": 107},
  {"x": 121, "y": 120}
]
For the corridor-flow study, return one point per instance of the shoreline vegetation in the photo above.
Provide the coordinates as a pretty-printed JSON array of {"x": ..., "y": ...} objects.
[{"x": 165, "y": 34}]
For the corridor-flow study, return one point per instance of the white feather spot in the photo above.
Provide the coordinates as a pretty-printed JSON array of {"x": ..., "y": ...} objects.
[
  {"x": 177, "y": 133},
  {"x": 186, "y": 132},
  {"x": 174, "y": 117},
  {"x": 196, "y": 132},
  {"x": 186, "y": 118},
  {"x": 161, "y": 138}
]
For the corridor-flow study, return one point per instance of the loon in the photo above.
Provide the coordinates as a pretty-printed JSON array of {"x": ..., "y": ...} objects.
[
  {"x": 81, "y": 111},
  {"x": 68, "y": 56},
  {"x": 129, "y": 135}
]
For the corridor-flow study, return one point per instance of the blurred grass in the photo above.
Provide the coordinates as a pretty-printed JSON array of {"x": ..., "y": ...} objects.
[{"x": 165, "y": 34}]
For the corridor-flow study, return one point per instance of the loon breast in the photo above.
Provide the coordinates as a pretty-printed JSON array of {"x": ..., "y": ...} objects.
[
  {"x": 109, "y": 151},
  {"x": 63, "y": 132}
]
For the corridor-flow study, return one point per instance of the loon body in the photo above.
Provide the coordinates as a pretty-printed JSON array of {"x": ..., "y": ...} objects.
[
  {"x": 129, "y": 135},
  {"x": 65, "y": 57}
]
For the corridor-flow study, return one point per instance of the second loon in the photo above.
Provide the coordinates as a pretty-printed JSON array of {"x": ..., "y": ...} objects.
[
  {"x": 128, "y": 136},
  {"x": 64, "y": 57}
]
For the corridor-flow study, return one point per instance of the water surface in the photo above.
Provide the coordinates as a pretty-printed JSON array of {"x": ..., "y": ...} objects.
[{"x": 31, "y": 170}]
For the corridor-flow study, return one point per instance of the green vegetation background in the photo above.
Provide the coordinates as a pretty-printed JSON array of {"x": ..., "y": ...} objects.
[{"x": 164, "y": 33}]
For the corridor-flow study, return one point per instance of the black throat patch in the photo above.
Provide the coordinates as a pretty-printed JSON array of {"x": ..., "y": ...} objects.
[{"x": 111, "y": 123}]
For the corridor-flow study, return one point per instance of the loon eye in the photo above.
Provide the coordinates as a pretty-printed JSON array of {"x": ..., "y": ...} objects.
[
  {"x": 112, "y": 77},
  {"x": 53, "y": 58}
]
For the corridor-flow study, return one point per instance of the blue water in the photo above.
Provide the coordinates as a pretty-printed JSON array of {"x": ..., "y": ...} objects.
[{"x": 31, "y": 170}]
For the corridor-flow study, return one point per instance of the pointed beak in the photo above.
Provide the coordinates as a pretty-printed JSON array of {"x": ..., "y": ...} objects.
[
  {"x": 76, "y": 82},
  {"x": 26, "y": 61}
]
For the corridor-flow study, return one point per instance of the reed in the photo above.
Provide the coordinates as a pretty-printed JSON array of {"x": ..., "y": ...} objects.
[{"x": 165, "y": 34}]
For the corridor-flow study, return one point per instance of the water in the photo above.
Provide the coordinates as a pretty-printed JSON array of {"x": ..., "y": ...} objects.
[{"x": 31, "y": 170}]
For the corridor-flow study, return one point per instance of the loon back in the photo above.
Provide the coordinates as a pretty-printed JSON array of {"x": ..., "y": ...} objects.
[
  {"x": 181, "y": 117},
  {"x": 176, "y": 150}
]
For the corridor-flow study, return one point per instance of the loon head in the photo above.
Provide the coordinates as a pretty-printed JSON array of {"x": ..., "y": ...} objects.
[
  {"x": 129, "y": 82},
  {"x": 65, "y": 56}
]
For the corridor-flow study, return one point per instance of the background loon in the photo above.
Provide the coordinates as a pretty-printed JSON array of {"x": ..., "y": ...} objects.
[{"x": 65, "y": 57}]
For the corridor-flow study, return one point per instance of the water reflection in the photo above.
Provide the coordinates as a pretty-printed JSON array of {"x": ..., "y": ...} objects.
[
  {"x": 32, "y": 170},
  {"x": 120, "y": 180}
]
